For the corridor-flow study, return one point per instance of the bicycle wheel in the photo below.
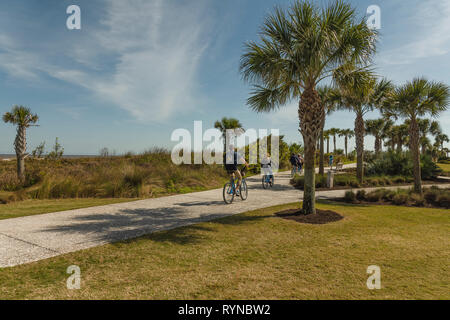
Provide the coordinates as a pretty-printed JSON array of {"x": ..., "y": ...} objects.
[
  {"x": 228, "y": 193},
  {"x": 271, "y": 181},
  {"x": 244, "y": 190},
  {"x": 265, "y": 182}
]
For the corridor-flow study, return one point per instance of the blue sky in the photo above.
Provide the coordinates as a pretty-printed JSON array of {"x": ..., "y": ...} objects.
[{"x": 138, "y": 69}]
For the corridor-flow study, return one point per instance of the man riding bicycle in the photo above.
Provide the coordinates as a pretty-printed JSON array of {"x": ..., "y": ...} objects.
[{"x": 231, "y": 160}]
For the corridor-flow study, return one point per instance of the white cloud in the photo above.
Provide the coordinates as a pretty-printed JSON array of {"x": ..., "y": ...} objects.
[
  {"x": 155, "y": 47},
  {"x": 432, "y": 40}
]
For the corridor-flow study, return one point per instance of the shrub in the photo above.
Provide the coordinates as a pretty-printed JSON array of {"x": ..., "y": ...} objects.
[
  {"x": 361, "y": 195},
  {"x": 443, "y": 200},
  {"x": 374, "y": 196},
  {"x": 350, "y": 196},
  {"x": 400, "y": 199},
  {"x": 429, "y": 169},
  {"x": 431, "y": 195},
  {"x": 417, "y": 200}
]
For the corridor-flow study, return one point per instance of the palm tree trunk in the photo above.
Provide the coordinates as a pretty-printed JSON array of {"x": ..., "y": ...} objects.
[
  {"x": 20, "y": 145},
  {"x": 312, "y": 116},
  {"x": 346, "y": 146},
  {"x": 415, "y": 152},
  {"x": 377, "y": 145},
  {"x": 334, "y": 144},
  {"x": 322, "y": 156},
  {"x": 359, "y": 133},
  {"x": 328, "y": 145}
]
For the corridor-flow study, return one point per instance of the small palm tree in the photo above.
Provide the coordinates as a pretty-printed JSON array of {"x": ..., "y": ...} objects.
[
  {"x": 327, "y": 136},
  {"x": 298, "y": 48},
  {"x": 23, "y": 119},
  {"x": 347, "y": 134},
  {"x": 334, "y": 132},
  {"x": 229, "y": 127},
  {"x": 415, "y": 99},
  {"x": 375, "y": 128},
  {"x": 426, "y": 127}
]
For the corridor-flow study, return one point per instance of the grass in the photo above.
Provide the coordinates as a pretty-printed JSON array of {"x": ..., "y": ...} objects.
[
  {"x": 151, "y": 174},
  {"x": 259, "y": 256},
  {"x": 446, "y": 168},
  {"x": 33, "y": 207}
]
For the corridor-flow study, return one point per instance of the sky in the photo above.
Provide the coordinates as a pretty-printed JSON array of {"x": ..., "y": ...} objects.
[{"x": 139, "y": 69}]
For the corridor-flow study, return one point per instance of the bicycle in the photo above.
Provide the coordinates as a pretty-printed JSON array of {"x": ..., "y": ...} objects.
[
  {"x": 267, "y": 181},
  {"x": 229, "y": 189}
]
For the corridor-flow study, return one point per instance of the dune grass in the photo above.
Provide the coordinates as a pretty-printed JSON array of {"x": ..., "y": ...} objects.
[{"x": 256, "y": 255}]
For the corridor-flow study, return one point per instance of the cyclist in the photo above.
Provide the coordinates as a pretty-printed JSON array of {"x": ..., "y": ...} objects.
[
  {"x": 266, "y": 166},
  {"x": 231, "y": 160}
]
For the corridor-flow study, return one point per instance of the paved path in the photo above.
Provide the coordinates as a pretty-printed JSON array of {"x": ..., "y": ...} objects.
[{"x": 33, "y": 238}]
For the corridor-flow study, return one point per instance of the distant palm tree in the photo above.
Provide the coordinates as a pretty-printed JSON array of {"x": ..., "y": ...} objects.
[
  {"x": 334, "y": 132},
  {"x": 23, "y": 119},
  {"x": 375, "y": 128},
  {"x": 298, "y": 48},
  {"x": 227, "y": 124},
  {"x": 440, "y": 139},
  {"x": 426, "y": 127},
  {"x": 347, "y": 134},
  {"x": 327, "y": 136},
  {"x": 361, "y": 93},
  {"x": 415, "y": 99},
  {"x": 324, "y": 91},
  {"x": 386, "y": 132}
]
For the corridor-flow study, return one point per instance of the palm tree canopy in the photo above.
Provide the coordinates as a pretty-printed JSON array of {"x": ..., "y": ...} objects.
[
  {"x": 420, "y": 97},
  {"x": 301, "y": 46},
  {"x": 21, "y": 116},
  {"x": 349, "y": 133},
  {"x": 375, "y": 127},
  {"x": 229, "y": 124}
]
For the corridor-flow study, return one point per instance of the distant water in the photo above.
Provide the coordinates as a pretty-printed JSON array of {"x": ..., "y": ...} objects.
[{"x": 69, "y": 156}]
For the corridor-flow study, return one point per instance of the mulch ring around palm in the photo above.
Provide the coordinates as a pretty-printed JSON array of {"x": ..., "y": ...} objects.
[{"x": 321, "y": 216}]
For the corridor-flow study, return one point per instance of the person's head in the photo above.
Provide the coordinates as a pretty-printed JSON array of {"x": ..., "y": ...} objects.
[{"x": 268, "y": 155}]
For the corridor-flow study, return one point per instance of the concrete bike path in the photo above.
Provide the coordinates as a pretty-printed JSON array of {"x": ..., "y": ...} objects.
[{"x": 33, "y": 238}]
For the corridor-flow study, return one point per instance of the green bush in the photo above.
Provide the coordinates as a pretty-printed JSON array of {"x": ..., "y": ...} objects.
[
  {"x": 443, "y": 200},
  {"x": 400, "y": 199},
  {"x": 361, "y": 195},
  {"x": 350, "y": 196}
]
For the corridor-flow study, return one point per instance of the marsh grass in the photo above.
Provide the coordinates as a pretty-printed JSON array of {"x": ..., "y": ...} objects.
[{"x": 151, "y": 174}]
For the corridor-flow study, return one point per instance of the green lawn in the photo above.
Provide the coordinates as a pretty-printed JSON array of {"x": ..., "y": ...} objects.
[
  {"x": 32, "y": 207},
  {"x": 259, "y": 256},
  {"x": 445, "y": 167}
]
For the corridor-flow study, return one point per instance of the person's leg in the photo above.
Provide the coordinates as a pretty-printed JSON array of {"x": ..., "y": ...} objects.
[{"x": 239, "y": 177}]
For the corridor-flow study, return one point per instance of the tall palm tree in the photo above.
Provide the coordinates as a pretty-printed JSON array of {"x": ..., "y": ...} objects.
[
  {"x": 415, "y": 99},
  {"x": 347, "y": 134},
  {"x": 361, "y": 93},
  {"x": 298, "y": 48},
  {"x": 227, "y": 124},
  {"x": 375, "y": 128},
  {"x": 23, "y": 119}
]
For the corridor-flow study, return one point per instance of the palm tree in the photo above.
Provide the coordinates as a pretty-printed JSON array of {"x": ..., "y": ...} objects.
[
  {"x": 23, "y": 119},
  {"x": 347, "y": 134},
  {"x": 327, "y": 136},
  {"x": 440, "y": 139},
  {"x": 334, "y": 132},
  {"x": 426, "y": 127},
  {"x": 361, "y": 93},
  {"x": 298, "y": 48},
  {"x": 229, "y": 127},
  {"x": 415, "y": 99},
  {"x": 375, "y": 128},
  {"x": 386, "y": 132}
]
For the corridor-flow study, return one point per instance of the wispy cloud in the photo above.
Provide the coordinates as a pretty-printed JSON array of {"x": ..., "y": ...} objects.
[
  {"x": 431, "y": 37},
  {"x": 154, "y": 48}
]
